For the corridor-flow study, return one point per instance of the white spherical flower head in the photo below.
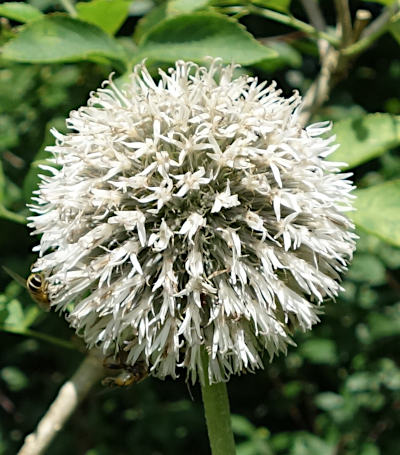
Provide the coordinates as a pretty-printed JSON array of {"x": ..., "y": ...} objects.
[{"x": 194, "y": 213}]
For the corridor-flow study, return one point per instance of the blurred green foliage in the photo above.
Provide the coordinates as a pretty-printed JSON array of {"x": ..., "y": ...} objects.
[{"x": 338, "y": 392}]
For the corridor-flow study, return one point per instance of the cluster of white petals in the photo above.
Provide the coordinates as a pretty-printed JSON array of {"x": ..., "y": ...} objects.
[{"x": 192, "y": 213}]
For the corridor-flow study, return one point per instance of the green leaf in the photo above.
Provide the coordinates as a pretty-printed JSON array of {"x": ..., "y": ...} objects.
[
  {"x": 319, "y": 351},
  {"x": 292, "y": 389},
  {"x": 164, "y": 10},
  {"x": 367, "y": 268},
  {"x": 108, "y": 15},
  {"x": 329, "y": 401},
  {"x": 281, "y": 442},
  {"x": 287, "y": 56},
  {"x": 365, "y": 138},
  {"x": 278, "y": 5},
  {"x": 389, "y": 374},
  {"x": 242, "y": 426},
  {"x": 395, "y": 30},
  {"x": 308, "y": 444},
  {"x": 185, "y": 6},
  {"x": 384, "y": 325},
  {"x": 370, "y": 449},
  {"x": 32, "y": 179},
  {"x": 60, "y": 38},
  {"x": 2, "y": 183},
  {"x": 146, "y": 23},
  {"x": 195, "y": 36},
  {"x": 31, "y": 314},
  {"x": 20, "y": 12},
  {"x": 15, "y": 379},
  {"x": 378, "y": 211},
  {"x": 15, "y": 316},
  {"x": 362, "y": 382},
  {"x": 383, "y": 2}
]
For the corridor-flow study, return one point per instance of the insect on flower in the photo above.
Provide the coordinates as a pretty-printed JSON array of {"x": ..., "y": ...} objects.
[
  {"x": 37, "y": 289},
  {"x": 35, "y": 285},
  {"x": 128, "y": 375}
]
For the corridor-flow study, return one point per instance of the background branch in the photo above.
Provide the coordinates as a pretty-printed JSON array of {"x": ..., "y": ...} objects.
[
  {"x": 319, "y": 90},
  {"x": 70, "y": 395},
  {"x": 344, "y": 19},
  {"x": 335, "y": 63},
  {"x": 314, "y": 13},
  {"x": 374, "y": 30},
  {"x": 363, "y": 17},
  {"x": 292, "y": 22},
  {"x": 329, "y": 58},
  {"x": 381, "y": 21},
  {"x": 317, "y": 19}
]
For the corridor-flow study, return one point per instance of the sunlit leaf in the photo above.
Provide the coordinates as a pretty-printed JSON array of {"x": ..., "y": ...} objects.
[
  {"x": 20, "y": 12},
  {"x": 383, "y": 2},
  {"x": 146, "y": 23},
  {"x": 362, "y": 381},
  {"x": 328, "y": 401},
  {"x": 319, "y": 351},
  {"x": 367, "y": 268},
  {"x": 364, "y": 138},
  {"x": 279, "y": 5},
  {"x": 378, "y": 211},
  {"x": 390, "y": 373},
  {"x": 15, "y": 316},
  {"x": 241, "y": 426},
  {"x": 195, "y": 36},
  {"x": 309, "y": 444},
  {"x": 60, "y": 38},
  {"x": 185, "y": 6},
  {"x": 287, "y": 56},
  {"x": 108, "y": 15}
]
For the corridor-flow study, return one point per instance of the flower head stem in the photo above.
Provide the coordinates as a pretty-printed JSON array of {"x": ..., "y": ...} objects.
[{"x": 218, "y": 418}]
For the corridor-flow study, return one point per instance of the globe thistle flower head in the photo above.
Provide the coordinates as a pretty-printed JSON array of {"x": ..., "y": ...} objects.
[{"x": 192, "y": 213}]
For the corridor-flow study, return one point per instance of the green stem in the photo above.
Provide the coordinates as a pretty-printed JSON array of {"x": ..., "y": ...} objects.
[
  {"x": 12, "y": 216},
  {"x": 287, "y": 20},
  {"x": 374, "y": 30},
  {"x": 364, "y": 43},
  {"x": 40, "y": 336},
  {"x": 218, "y": 417}
]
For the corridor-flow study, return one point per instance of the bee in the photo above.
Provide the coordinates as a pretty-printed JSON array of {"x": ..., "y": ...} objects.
[
  {"x": 129, "y": 374},
  {"x": 36, "y": 287}
]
